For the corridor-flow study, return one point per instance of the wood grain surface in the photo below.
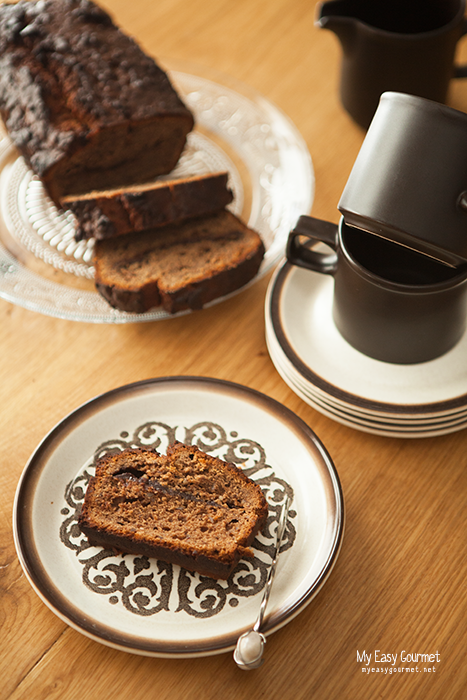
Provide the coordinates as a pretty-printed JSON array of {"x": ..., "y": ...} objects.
[{"x": 399, "y": 582}]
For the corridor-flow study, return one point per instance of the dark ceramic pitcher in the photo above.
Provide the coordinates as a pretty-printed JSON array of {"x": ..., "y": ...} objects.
[{"x": 394, "y": 45}]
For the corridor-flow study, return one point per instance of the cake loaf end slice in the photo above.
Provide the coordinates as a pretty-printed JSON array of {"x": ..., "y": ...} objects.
[{"x": 186, "y": 507}]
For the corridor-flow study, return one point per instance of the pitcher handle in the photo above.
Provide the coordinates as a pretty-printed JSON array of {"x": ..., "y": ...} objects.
[
  {"x": 302, "y": 254},
  {"x": 461, "y": 71}
]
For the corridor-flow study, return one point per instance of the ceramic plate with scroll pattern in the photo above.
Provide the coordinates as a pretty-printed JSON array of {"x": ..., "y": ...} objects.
[
  {"x": 44, "y": 269},
  {"x": 149, "y": 607}
]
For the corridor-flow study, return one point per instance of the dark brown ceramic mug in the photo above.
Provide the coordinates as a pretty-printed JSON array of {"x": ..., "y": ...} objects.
[
  {"x": 409, "y": 180},
  {"x": 394, "y": 45},
  {"x": 390, "y": 303}
]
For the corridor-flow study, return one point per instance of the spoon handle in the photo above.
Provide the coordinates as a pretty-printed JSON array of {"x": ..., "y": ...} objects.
[{"x": 272, "y": 569}]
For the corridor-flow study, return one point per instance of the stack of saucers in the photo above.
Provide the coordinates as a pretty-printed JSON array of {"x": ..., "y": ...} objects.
[{"x": 418, "y": 400}]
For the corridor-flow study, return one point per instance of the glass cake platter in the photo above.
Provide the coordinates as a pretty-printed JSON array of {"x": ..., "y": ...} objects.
[
  {"x": 44, "y": 269},
  {"x": 145, "y": 606}
]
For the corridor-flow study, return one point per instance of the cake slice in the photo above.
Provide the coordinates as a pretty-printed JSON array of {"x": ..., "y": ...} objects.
[
  {"x": 180, "y": 267},
  {"x": 82, "y": 102},
  {"x": 135, "y": 208},
  {"x": 186, "y": 508}
]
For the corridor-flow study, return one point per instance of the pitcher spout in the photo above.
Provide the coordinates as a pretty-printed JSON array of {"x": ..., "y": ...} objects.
[{"x": 336, "y": 15}]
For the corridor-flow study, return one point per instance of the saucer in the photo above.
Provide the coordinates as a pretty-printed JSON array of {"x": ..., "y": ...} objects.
[
  {"x": 287, "y": 369},
  {"x": 325, "y": 371},
  {"x": 378, "y": 425}
]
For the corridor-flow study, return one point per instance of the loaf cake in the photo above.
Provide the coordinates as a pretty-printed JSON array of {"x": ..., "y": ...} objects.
[
  {"x": 185, "y": 507},
  {"x": 84, "y": 105},
  {"x": 180, "y": 267},
  {"x": 117, "y": 212}
]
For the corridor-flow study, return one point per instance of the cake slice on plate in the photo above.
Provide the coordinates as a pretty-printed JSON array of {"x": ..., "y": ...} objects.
[
  {"x": 185, "y": 507},
  {"x": 178, "y": 267}
]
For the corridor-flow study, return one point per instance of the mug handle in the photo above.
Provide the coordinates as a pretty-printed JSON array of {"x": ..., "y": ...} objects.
[
  {"x": 303, "y": 255},
  {"x": 461, "y": 71}
]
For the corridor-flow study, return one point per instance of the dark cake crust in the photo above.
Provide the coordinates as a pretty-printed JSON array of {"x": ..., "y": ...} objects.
[
  {"x": 187, "y": 508},
  {"x": 118, "y": 212},
  {"x": 85, "y": 106}
]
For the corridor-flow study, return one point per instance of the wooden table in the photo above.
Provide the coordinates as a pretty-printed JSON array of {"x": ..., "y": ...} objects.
[{"x": 399, "y": 582}]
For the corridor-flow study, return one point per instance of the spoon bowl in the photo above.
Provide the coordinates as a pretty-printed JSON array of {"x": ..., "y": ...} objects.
[{"x": 248, "y": 653}]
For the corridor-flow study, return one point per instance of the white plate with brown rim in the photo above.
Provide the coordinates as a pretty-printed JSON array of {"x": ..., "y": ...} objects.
[
  {"x": 301, "y": 331},
  {"x": 145, "y": 606}
]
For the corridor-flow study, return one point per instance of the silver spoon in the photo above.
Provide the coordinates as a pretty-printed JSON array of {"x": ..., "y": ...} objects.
[{"x": 248, "y": 653}]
